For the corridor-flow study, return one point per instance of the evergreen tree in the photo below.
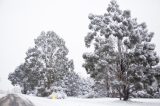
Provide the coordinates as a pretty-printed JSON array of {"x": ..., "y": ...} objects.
[
  {"x": 19, "y": 78},
  {"x": 130, "y": 58},
  {"x": 76, "y": 85},
  {"x": 45, "y": 64},
  {"x": 97, "y": 64}
]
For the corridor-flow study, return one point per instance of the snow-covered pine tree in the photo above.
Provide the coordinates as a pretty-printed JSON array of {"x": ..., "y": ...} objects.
[
  {"x": 53, "y": 54},
  {"x": 19, "y": 78},
  {"x": 75, "y": 85},
  {"x": 72, "y": 85},
  {"x": 133, "y": 50},
  {"x": 34, "y": 69},
  {"x": 44, "y": 64},
  {"x": 156, "y": 82},
  {"x": 99, "y": 64}
]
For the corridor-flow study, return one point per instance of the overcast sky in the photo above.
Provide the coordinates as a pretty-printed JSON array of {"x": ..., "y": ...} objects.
[{"x": 21, "y": 21}]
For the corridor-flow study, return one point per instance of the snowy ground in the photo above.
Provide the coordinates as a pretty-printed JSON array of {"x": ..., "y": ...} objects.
[
  {"x": 2, "y": 93},
  {"x": 38, "y": 101}
]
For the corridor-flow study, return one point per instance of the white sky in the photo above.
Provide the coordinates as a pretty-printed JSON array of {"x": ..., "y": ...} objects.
[{"x": 21, "y": 21}]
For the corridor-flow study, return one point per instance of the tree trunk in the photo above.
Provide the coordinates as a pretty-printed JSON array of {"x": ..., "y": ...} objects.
[
  {"x": 24, "y": 89},
  {"x": 125, "y": 93},
  {"x": 120, "y": 96},
  {"x": 119, "y": 66},
  {"x": 126, "y": 97}
]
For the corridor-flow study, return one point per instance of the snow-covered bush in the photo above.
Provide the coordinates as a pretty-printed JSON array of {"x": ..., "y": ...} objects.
[
  {"x": 58, "y": 93},
  {"x": 141, "y": 94},
  {"x": 85, "y": 86},
  {"x": 100, "y": 90},
  {"x": 89, "y": 95},
  {"x": 74, "y": 85}
]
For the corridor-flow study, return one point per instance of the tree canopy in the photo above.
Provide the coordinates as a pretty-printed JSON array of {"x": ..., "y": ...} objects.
[
  {"x": 45, "y": 64},
  {"x": 123, "y": 56}
]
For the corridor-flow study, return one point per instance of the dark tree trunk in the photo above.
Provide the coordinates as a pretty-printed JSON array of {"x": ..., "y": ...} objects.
[
  {"x": 24, "y": 91},
  {"x": 126, "y": 97},
  {"x": 125, "y": 93},
  {"x": 120, "y": 97}
]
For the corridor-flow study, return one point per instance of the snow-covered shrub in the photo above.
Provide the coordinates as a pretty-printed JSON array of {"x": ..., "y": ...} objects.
[
  {"x": 74, "y": 85},
  {"x": 89, "y": 95},
  {"x": 97, "y": 90},
  {"x": 57, "y": 95},
  {"x": 71, "y": 84},
  {"x": 141, "y": 94},
  {"x": 156, "y": 95},
  {"x": 85, "y": 86},
  {"x": 41, "y": 91},
  {"x": 100, "y": 90}
]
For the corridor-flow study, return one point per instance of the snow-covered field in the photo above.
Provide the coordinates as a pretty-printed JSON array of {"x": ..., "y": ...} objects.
[
  {"x": 70, "y": 101},
  {"x": 39, "y": 101},
  {"x": 2, "y": 93}
]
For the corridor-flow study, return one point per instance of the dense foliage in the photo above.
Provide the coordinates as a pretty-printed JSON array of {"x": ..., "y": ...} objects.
[
  {"x": 123, "y": 63},
  {"x": 45, "y": 65},
  {"x": 123, "y": 56}
]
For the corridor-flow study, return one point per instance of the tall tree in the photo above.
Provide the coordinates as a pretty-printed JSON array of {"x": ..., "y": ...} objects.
[
  {"x": 44, "y": 64},
  {"x": 132, "y": 56}
]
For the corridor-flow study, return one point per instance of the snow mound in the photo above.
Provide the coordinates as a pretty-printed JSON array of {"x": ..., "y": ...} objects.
[{"x": 57, "y": 95}]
